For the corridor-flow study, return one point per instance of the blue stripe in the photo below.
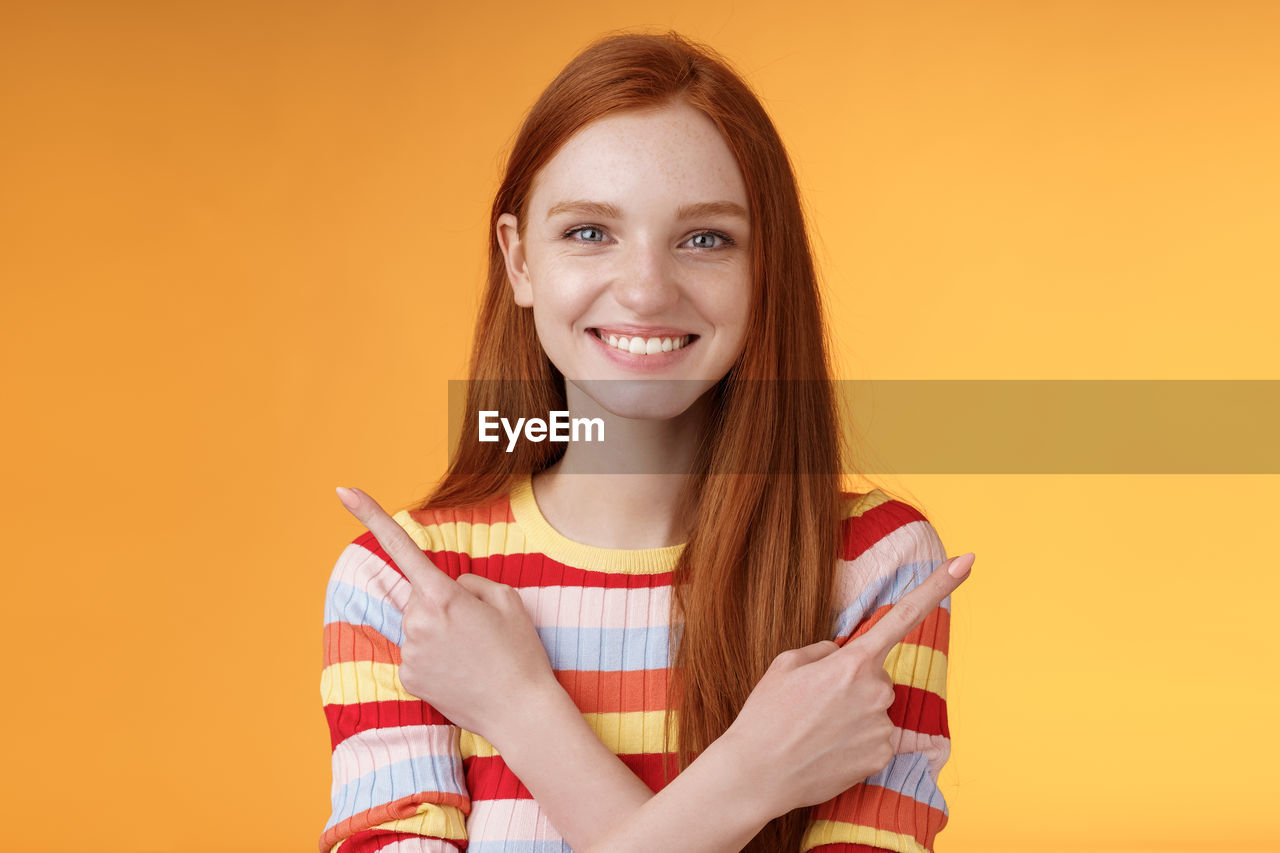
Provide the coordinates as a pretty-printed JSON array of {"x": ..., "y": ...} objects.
[
  {"x": 890, "y": 589},
  {"x": 606, "y": 649},
  {"x": 909, "y": 774},
  {"x": 438, "y": 773},
  {"x": 346, "y": 603}
]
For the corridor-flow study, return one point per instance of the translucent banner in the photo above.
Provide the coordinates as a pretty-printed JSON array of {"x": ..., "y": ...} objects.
[{"x": 974, "y": 426}]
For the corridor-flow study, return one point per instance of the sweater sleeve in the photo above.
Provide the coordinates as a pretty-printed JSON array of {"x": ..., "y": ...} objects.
[
  {"x": 398, "y": 777},
  {"x": 900, "y": 808}
]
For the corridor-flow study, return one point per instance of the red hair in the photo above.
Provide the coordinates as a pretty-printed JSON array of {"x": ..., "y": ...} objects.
[{"x": 756, "y": 577}]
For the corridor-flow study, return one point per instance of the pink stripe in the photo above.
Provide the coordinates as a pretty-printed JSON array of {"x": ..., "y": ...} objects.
[
  {"x": 597, "y": 607},
  {"x": 365, "y": 570},
  {"x": 937, "y": 748},
  {"x": 906, "y": 544},
  {"x": 365, "y": 751},
  {"x": 509, "y": 820}
]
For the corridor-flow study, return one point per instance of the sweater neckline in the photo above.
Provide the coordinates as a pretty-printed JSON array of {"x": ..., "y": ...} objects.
[{"x": 551, "y": 542}]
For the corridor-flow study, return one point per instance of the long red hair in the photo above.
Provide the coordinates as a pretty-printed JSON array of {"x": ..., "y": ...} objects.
[{"x": 756, "y": 577}]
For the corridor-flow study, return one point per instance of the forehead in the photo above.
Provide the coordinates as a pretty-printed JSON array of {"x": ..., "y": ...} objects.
[{"x": 674, "y": 153}]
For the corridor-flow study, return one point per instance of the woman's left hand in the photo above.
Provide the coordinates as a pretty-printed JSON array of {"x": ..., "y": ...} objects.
[{"x": 469, "y": 647}]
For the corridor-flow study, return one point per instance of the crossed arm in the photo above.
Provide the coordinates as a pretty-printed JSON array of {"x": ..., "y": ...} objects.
[
  {"x": 598, "y": 804},
  {"x": 592, "y": 798}
]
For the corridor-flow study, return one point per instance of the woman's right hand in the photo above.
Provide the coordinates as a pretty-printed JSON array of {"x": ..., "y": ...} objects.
[
  {"x": 817, "y": 724},
  {"x": 469, "y": 646}
]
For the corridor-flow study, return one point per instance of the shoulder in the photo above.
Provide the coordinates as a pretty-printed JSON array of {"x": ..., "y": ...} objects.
[
  {"x": 457, "y": 529},
  {"x": 887, "y": 528},
  {"x": 444, "y": 534},
  {"x": 887, "y": 548}
]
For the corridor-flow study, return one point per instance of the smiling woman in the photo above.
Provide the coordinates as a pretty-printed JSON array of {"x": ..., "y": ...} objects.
[
  {"x": 665, "y": 235},
  {"x": 709, "y": 648}
]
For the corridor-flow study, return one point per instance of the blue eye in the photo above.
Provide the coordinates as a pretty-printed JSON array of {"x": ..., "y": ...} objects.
[
  {"x": 726, "y": 240},
  {"x": 580, "y": 228}
]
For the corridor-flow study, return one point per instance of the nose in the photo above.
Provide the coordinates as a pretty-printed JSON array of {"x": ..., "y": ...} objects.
[{"x": 646, "y": 282}]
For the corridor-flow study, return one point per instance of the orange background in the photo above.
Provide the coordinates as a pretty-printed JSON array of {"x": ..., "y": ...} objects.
[{"x": 243, "y": 243}]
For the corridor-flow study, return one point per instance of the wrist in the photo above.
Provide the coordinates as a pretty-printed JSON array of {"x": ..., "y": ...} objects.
[
  {"x": 759, "y": 795},
  {"x": 528, "y": 720}
]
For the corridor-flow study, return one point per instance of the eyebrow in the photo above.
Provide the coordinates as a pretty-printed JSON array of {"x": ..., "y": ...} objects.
[{"x": 687, "y": 211}]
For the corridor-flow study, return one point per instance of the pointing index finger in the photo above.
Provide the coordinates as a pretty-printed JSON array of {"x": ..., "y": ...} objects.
[
  {"x": 417, "y": 567},
  {"x": 912, "y": 608}
]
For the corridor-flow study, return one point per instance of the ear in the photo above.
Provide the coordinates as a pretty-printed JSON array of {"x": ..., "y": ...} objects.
[{"x": 513, "y": 252}]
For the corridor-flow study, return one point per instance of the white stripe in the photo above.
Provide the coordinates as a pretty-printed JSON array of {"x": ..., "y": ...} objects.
[
  {"x": 936, "y": 748},
  {"x": 363, "y": 751},
  {"x": 596, "y": 607},
  {"x": 916, "y": 542},
  {"x": 509, "y": 820},
  {"x": 365, "y": 570}
]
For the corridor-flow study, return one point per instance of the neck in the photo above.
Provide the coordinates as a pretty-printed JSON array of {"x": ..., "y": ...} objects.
[{"x": 623, "y": 492}]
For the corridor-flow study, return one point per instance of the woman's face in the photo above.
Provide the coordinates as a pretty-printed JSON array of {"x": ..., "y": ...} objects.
[{"x": 636, "y": 261}]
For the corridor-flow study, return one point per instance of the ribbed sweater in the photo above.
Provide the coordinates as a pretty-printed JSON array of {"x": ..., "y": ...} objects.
[{"x": 406, "y": 779}]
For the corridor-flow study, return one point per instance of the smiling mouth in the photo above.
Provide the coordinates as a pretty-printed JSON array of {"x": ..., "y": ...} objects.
[{"x": 638, "y": 345}]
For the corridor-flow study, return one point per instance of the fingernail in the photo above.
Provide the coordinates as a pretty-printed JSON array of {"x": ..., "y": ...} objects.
[
  {"x": 349, "y": 498},
  {"x": 960, "y": 566}
]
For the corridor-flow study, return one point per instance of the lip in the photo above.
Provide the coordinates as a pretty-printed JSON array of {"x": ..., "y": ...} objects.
[
  {"x": 642, "y": 331},
  {"x": 655, "y": 363}
]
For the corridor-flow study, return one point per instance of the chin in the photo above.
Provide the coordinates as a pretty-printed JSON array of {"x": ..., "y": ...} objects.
[{"x": 644, "y": 399}]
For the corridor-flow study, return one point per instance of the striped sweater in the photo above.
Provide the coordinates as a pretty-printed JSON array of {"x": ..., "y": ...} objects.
[{"x": 406, "y": 779}]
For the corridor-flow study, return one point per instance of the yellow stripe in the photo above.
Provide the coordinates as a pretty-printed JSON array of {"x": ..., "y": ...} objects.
[
  {"x": 432, "y": 819},
  {"x": 918, "y": 666},
  {"x": 628, "y": 732},
  {"x": 471, "y": 745},
  {"x": 463, "y": 537},
  {"x": 836, "y": 831},
  {"x": 854, "y": 507},
  {"x": 350, "y": 682},
  {"x": 634, "y": 731}
]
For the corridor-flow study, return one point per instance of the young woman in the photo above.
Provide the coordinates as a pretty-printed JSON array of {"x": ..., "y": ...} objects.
[{"x": 684, "y": 636}]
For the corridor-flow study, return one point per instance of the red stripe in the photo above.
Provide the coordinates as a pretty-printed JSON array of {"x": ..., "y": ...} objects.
[
  {"x": 860, "y": 532},
  {"x": 489, "y": 777},
  {"x": 648, "y": 766},
  {"x": 919, "y": 711},
  {"x": 346, "y": 642},
  {"x": 394, "y": 810},
  {"x": 881, "y": 808},
  {"x": 521, "y": 570},
  {"x": 534, "y": 570},
  {"x": 934, "y": 631},
  {"x": 346, "y": 720},
  {"x": 613, "y": 692},
  {"x": 495, "y": 512}
]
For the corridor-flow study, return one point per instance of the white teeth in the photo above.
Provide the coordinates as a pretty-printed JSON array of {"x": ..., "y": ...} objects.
[{"x": 643, "y": 346}]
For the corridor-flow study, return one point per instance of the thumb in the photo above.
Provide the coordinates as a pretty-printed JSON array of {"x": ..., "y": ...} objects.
[
  {"x": 810, "y": 653},
  {"x": 490, "y": 592}
]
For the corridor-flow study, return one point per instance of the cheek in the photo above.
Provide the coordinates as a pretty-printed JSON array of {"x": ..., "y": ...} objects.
[
  {"x": 731, "y": 309},
  {"x": 561, "y": 297}
]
